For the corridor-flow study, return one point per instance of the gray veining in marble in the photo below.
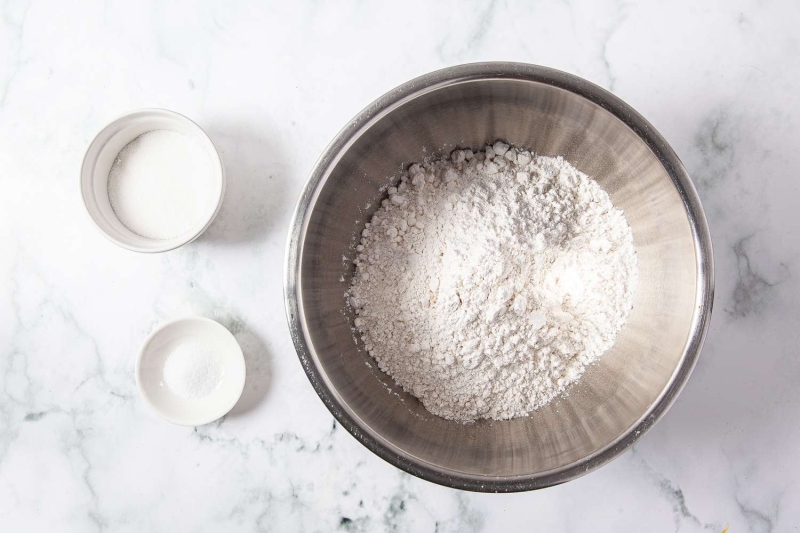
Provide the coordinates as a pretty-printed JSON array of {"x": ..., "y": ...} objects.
[{"x": 272, "y": 83}]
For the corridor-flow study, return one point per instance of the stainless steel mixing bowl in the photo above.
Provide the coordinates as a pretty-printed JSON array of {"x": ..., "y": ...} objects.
[{"x": 552, "y": 113}]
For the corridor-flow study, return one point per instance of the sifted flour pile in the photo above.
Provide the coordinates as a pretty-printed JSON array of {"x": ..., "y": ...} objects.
[{"x": 485, "y": 284}]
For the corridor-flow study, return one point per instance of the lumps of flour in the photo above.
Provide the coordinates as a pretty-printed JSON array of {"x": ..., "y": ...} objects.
[{"x": 486, "y": 282}]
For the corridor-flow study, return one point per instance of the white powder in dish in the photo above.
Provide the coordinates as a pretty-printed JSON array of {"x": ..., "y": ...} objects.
[
  {"x": 486, "y": 283},
  {"x": 159, "y": 184},
  {"x": 193, "y": 370}
]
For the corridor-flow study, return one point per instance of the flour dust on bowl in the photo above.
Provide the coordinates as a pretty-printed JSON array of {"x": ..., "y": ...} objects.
[{"x": 551, "y": 114}]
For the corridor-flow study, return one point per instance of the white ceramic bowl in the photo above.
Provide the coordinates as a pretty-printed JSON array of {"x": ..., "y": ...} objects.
[
  {"x": 100, "y": 156},
  {"x": 150, "y": 367}
]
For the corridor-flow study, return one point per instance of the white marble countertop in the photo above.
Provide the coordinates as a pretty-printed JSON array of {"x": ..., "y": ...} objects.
[{"x": 272, "y": 84}]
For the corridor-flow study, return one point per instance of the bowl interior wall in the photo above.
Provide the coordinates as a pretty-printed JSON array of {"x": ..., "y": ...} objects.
[{"x": 615, "y": 392}]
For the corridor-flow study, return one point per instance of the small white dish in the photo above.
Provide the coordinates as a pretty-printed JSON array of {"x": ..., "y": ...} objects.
[
  {"x": 150, "y": 371},
  {"x": 100, "y": 156}
]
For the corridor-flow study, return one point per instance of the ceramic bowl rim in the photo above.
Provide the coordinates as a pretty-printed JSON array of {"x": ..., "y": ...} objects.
[
  {"x": 169, "y": 244},
  {"x": 152, "y": 405}
]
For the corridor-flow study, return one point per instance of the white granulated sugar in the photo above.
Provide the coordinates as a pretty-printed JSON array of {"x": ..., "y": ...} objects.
[
  {"x": 486, "y": 283},
  {"x": 159, "y": 184},
  {"x": 193, "y": 370}
]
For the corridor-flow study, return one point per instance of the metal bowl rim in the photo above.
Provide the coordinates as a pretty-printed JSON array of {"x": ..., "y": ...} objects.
[{"x": 478, "y": 72}]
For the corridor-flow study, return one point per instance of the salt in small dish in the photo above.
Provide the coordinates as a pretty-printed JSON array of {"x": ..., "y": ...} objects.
[{"x": 180, "y": 409}]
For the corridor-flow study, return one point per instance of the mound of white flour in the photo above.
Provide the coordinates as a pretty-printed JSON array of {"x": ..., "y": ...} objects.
[{"x": 485, "y": 284}]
